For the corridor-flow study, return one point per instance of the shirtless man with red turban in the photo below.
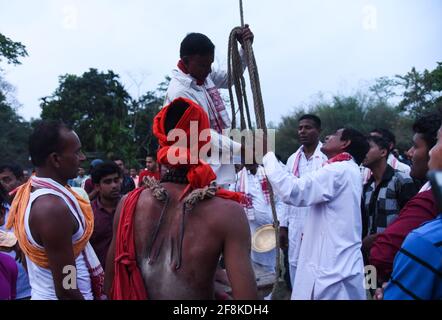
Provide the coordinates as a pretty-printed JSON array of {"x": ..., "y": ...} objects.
[{"x": 168, "y": 237}]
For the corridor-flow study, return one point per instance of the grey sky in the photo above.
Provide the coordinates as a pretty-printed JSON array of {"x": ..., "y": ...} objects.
[{"x": 301, "y": 47}]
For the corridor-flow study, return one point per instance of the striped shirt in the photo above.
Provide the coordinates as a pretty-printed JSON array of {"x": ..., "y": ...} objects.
[
  {"x": 382, "y": 203},
  {"x": 417, "y": 269}
]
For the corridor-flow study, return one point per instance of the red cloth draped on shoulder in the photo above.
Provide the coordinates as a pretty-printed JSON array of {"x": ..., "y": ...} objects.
[
  {"x": 128, "y": 283},
  {"x": 184, "y": 69}
]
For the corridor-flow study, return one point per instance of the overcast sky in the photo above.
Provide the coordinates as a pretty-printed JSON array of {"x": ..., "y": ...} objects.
[{"x": 301, "y": 47}]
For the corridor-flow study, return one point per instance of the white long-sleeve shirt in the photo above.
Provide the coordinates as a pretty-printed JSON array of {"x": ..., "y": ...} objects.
[
  {"x": 262, "y": 213},
  {"x": 330, "y": 264},
  {"x": 184, "y": 85},
  {"x": 294, "y": 217}
]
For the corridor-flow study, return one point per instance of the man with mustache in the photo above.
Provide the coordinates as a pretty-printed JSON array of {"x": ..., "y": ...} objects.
[{"x": 330, "y": 265}]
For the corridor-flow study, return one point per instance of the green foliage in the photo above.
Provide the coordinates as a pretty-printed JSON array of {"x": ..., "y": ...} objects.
[
  {"x": 96, "y": 106},
  {"x": 107, "y": 120},
  {"x": 421, "y": 91},
  {"x": 142, "y": 113},
  {"x": 356, "y": 111},
  {"x": 11, "y": 51},
  {"x": 15, "y": 132}
]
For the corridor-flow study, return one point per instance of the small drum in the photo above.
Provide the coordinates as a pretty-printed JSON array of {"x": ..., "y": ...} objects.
[{"x": 264, "y": 238}]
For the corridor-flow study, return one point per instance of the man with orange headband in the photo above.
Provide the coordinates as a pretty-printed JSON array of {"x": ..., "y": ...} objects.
[{"x": 169, "y": 236}]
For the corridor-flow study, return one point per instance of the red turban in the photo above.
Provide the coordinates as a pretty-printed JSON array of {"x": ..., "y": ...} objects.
[{"x": 173, "y": 153}]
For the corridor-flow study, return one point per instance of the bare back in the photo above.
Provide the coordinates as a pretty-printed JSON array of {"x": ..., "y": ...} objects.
[{"x": 210, "y": 230}]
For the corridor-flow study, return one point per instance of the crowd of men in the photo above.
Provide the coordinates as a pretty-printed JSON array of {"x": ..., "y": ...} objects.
[{"x": 183, "y": 229}]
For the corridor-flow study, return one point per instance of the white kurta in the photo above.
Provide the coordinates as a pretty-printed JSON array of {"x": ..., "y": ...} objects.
[
  {"x": 261, "y": 215},
  {"x": 330, "y": 264},
  {"x": 184, "y": 85},
  {"x": 294, "y": 217}
]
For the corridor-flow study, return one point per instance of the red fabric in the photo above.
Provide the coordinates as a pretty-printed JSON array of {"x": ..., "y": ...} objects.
[
  {"x": 421, "y": 208},
  {"x": 127, "y": 283},
  {"x": 200, "y": 174},
  {"x": 148, "y": 173},
  {"x": 344, "y": 156},
  {"x": 183, "y": 68}
]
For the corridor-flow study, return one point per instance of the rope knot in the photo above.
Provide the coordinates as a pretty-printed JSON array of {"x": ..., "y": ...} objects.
[{"x": 198, "y": 195}]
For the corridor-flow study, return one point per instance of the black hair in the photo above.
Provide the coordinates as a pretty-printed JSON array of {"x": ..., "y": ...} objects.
[
  {"x": 45, "y": 139},
  {"x": 16, "y": 170},
  {"x": 196, "y": 43},
  {"x": 315, "y": 119},
  {"x": 152, "y": 155},
  {"x": 381, "y": 142},
  {"x": 174, "y": 113},
  {"x": 3, "y": 196},
  {"x": 358, "y": 146},
  {"x": 386, "y": 134},
  {"x": 4, "y": 200},
  {"x": 116, "y": 157},
  {"x": 428, "y": 126},
  {"x": 104, "y": 169}
]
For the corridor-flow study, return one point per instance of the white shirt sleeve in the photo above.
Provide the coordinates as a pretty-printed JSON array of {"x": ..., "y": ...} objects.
[
  {"x": 172, "y": 95},
  {"x": 281, "y": 211},
  {"x": 318, "y": 187},
  {"x": 220, "y": 78}
]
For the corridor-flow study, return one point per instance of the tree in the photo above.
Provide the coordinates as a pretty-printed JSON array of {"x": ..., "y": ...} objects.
[
  {"x": 14, "y": 135},
  {"x": 142, "y": 113},
  {"x": 96, "y": 106},
  {"x": 11, "y": 51},
  {"x": 14, "y": 130},
  {"x": 422, "y": 91},
  {"x": 362, "y": 112}
]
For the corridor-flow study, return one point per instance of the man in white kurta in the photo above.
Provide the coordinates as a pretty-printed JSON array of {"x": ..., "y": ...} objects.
[
  {"x": 294, "y": 217},
  {"x": 194, "y": 79},
  {"x": 306, "y": 159},
  {"x": 330, "y": 264}
]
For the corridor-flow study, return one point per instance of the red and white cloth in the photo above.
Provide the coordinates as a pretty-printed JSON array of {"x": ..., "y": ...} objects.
[{"x": 244, "y": 187}]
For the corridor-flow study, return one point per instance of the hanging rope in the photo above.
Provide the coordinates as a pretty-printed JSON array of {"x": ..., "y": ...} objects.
[{"x": 236, "y": 79}]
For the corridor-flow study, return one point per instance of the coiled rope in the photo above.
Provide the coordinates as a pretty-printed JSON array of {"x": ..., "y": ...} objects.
[{"x": 236, "y": 79}]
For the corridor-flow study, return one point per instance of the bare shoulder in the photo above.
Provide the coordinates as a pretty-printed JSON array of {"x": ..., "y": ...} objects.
[
  {"x": 50, "y": 218},
  {"x": 49, "y": 208},
  {"x": 146, "y": 201},
  {"x": 223, "y": 212},
  {"x": 224, "y": 206}
]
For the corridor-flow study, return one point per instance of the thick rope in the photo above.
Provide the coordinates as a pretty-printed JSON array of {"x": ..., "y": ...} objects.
[
  {"x": 190, "y": 201},
  {"x": 236, "y": 79}
]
